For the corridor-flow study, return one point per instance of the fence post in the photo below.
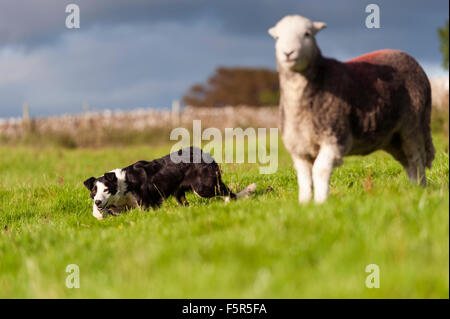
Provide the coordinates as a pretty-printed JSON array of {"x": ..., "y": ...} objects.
[
  {"x": 26, "y": 119},
  {"x": 176, "y": 114}
]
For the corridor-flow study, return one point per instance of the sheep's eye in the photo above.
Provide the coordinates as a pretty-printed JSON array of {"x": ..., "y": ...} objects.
[{"x": 307, "y": 34}]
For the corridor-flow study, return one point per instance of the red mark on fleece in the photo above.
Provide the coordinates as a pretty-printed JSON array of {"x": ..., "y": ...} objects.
[
  {"x": 369, "y": 57},
  {"x": 368, "y": 68}
]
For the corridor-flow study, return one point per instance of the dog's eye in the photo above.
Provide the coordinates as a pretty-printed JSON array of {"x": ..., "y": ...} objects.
[{"x": 94, "y": 190}]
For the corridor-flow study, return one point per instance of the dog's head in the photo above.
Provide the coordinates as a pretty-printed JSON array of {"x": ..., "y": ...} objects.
[{"x": 104, "y": 191}]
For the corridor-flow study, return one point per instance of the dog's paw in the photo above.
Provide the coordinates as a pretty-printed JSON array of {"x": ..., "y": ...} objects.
[
  {"x": 250, "y": 189},
  {"x": 115, "y": 211}
]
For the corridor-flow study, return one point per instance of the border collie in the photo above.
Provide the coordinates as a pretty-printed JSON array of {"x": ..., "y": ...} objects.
[{"x": 147, "y": 184}]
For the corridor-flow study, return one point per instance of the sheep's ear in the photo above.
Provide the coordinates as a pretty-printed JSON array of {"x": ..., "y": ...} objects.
[
  {"x": 89, "y": 183},
  {"x": 272, "y": 31},
  {"x": 317, "y": 26}
]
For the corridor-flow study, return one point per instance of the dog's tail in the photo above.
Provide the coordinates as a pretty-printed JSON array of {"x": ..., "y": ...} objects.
[{"x": 250, "y": 189}]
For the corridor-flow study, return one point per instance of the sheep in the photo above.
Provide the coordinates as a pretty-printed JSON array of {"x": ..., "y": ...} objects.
[{"x": 330, "y": 109}]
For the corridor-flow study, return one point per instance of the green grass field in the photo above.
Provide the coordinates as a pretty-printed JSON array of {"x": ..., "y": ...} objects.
[{"x": 267, "y": 246}]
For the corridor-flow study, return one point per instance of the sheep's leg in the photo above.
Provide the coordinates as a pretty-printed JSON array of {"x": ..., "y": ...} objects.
[
  {"x": 181, "y": 198},
  {"x": 395, "y": 148},
  {"x": 322, "y": 169},
  {"x": 304, "y": 180},
  {"x": 415, "y": 169}
]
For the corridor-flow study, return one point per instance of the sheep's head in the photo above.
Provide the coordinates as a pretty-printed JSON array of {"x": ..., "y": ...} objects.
[{"x": 295, "y": 45}]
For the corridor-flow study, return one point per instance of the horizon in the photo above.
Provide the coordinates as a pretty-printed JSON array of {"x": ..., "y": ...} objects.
[{"x": 129, "y": 55}]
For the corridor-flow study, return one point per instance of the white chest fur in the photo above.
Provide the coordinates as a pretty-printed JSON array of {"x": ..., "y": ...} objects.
[{"x": 298, "y": 131}]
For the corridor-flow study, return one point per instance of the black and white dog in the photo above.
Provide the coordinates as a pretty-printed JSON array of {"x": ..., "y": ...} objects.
[{"x": 147, "y": 184}]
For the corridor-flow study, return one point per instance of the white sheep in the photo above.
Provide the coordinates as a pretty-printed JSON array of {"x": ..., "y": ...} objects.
[{"x": 329, "y": 109}]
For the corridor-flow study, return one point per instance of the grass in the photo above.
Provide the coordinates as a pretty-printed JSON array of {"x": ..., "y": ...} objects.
[{"x": 267, "y": 246}]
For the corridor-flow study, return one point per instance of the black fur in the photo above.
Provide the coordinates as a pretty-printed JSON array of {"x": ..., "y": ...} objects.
[
  {"x": 89, "y": 183},
  {"x": 152, "y": 182},
  {"x": 109, "y": 179}
]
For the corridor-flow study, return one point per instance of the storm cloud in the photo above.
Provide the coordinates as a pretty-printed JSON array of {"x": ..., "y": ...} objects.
[{"x": 130, "y": 54}]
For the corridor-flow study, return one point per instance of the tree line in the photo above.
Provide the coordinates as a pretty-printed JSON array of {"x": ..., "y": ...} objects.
[
  {"x": 257, "y": 86},
  {"x": 235, "y": 86}
]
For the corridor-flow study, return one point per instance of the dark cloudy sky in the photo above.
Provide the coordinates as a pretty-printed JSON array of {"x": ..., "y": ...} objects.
[{"x": 134, "y": 53}]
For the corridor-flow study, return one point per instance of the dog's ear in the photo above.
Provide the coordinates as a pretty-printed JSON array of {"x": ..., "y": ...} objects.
[
  {"x": 111, "y": 177},
  {"x": 89, "y": 183}
]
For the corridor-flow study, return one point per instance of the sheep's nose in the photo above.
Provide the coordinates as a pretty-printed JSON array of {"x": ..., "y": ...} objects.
[
  {"x": 98, "y": 202},
  {"x": 287, "y": 54}
]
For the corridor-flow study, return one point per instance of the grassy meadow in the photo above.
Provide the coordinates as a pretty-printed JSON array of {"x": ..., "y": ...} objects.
[{"x": 267, "y": 246}]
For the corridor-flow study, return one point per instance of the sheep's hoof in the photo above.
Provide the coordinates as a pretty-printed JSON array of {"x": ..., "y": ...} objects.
[
  {"x": 320, "y": 200},
  {"x": 304, "y": 199}
]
